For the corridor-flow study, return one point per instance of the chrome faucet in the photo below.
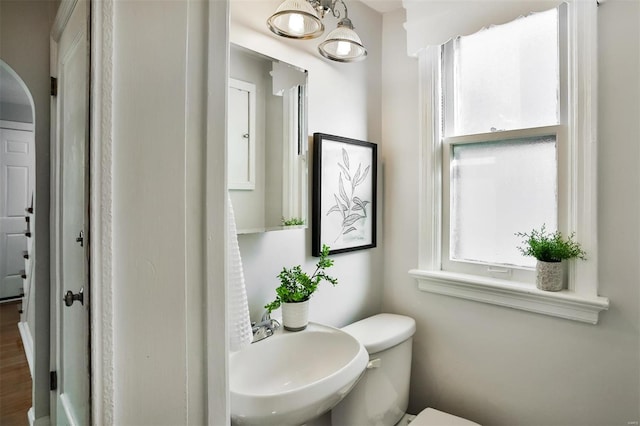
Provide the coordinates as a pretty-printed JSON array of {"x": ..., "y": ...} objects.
[{"x": 264, "y": 328}]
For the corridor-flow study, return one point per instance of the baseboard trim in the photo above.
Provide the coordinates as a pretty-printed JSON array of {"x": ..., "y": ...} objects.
[{"x": 27, "y": 344}]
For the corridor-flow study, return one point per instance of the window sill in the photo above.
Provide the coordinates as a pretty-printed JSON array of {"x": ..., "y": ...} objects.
[{"x": 563, "y": 304}]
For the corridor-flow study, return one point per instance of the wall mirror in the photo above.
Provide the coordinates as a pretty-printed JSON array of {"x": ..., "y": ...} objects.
[{"x": 266, "y": 142}]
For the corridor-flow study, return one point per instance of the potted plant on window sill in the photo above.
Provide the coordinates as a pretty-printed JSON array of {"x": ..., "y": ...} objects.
[
  {"x": 295, "y": 290},
  {"x": 550, "y": 249}
]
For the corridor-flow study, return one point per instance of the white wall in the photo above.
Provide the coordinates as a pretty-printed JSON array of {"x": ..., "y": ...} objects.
[
  {"x": 24, "y": 46},
  {"x": 159, "y": 225},
  {"x": 501, "y": 366},
  {"x": 344, "y": 99}
]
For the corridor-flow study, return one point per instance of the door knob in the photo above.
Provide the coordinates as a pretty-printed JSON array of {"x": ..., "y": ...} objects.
[{"x": 70, "y": 297}]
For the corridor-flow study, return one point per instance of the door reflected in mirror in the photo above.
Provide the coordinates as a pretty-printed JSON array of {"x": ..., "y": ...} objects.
[{"x": 266, "y": 142}]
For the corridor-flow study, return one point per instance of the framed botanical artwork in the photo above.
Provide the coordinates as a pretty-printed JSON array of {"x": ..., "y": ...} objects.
[{"x": 344, "y": 194}]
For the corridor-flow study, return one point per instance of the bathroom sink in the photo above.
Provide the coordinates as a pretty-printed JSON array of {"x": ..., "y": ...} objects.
[{"x": 291, "y": 378}]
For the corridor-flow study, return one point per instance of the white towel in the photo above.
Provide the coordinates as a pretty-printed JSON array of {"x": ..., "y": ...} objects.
[{"x": 240, "y": 334}]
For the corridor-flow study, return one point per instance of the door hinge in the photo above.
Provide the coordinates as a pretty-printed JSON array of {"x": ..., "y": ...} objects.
[
  {"x": 53, "y": 380},
  {"x": 54, "y": 86}
]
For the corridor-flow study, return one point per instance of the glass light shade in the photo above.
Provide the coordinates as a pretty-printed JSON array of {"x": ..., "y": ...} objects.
[
  {"x": 343, "y": 44},
  {"x": 296, "y": 19}
]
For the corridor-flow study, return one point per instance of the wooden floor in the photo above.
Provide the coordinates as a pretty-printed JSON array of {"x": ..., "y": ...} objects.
[{"x": 15, "y": 379}]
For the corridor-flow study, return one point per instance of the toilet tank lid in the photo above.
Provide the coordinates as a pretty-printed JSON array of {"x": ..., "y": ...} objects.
[{"x": 382, "y": 331}]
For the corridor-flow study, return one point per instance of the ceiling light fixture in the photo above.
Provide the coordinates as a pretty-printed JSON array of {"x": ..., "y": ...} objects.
[{"x": 302, "y": 20}]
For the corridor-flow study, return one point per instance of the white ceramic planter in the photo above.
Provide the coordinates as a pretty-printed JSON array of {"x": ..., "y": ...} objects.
[
  {"x": 295, "y": 316},
  {"x": 549, "y": 276}
]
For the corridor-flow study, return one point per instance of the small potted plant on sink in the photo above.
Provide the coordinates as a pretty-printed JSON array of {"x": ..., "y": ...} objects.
[
  {"x": 295, "y": 289},
  {"x": 550, "y": 249}
]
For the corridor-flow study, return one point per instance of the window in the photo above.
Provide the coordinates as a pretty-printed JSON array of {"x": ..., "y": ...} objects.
[
  {"x": 501, "y": 132},
  {"x": 496, "y": 189},
  {"x": 509, "y": 144}
]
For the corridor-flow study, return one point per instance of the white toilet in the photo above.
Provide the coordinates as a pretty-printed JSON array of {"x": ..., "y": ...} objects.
[{"x": 381, "y": 396}]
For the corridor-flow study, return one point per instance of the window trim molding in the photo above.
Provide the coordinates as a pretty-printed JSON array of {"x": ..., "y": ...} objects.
[
  {"x": 511, "y": 294},
  {"x": 580, "y": 301}
]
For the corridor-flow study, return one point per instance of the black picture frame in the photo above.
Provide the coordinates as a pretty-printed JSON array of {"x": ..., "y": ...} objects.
[{"x": 344, "y": 203}]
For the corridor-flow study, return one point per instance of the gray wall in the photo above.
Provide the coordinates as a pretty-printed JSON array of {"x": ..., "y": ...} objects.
[{"x": 499, "y": 366}]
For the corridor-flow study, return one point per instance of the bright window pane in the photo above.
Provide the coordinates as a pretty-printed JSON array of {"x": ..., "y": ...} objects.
[
  {"x": 498, "y": 189},
  {"x": 506, "y": 76}
]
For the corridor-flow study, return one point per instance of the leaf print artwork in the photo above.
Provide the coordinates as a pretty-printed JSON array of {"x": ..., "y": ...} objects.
[
  {"x": 351, "y": 207},
  {"x": 344, "y": 194}
]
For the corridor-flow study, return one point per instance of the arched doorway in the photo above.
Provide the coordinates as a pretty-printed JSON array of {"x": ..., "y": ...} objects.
[
  {"x": 17, "y": 236},
  {"x": 17, "y": 183}
]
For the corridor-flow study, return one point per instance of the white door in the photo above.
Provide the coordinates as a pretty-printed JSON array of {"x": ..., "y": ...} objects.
[
  {"x": 69, "y": 241},
  {"x": 16, "y": 189}
]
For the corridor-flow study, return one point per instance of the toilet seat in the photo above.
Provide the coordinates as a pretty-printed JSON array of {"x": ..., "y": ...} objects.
[{"x": 431, "y": 417}]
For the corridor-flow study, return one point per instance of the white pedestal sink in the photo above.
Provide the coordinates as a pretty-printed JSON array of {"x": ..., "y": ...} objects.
[{"x": 291, "y": 378}]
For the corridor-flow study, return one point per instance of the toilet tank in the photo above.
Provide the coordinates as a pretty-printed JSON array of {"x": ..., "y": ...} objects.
[{"x": 381, "y": 396}]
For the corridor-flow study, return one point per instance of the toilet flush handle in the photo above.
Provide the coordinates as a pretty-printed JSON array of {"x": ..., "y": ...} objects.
[{"x": 374, "y": 363}]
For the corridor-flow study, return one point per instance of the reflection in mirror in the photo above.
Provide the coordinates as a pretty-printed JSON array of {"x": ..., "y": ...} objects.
[{"x": 266, "y": 142}]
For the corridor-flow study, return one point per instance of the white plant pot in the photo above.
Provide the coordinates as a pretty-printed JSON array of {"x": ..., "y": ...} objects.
[
  {"x": 549, "y": 276},
  {"x": 295, "y": 316}
]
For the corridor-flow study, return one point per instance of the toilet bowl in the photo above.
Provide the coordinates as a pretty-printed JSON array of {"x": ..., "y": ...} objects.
[{"x": 381, "y": 396}]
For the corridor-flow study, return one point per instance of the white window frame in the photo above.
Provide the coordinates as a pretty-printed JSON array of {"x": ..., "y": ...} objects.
[
  {"x": 580, "y": 301},
  {"x": 496, "y": 270}
]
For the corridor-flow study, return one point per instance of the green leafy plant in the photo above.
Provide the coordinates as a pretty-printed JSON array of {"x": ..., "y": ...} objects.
[
  {"x": 550, "y": 247},
  {"x": 293, "y": 221},
  {"x": 298, "y": 286}
]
